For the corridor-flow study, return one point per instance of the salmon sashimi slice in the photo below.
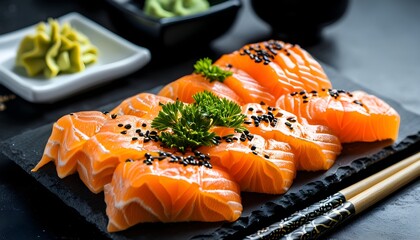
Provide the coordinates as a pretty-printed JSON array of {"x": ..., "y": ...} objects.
[
  {"x": 315, "y": 146},
  {"x": 185, "y": 87},
  {"x": 297, "y": 63},
  {"x": 297, "y": 71},
  {"x": 121, "y": 138},
  {"x": 247, "y": 88},
  {"x": 257, "y": 164},
  {"x": 68, "y": 135},
  {"x": 353, "y": 116},
  {"x": 168, "y": 190},
  {"x": 144, "y": 105}
]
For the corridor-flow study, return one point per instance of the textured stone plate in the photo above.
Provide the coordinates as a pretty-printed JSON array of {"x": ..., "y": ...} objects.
[{"x": 356, "y": 161}]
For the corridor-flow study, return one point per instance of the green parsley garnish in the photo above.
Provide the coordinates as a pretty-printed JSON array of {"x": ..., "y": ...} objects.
[
  {"x": 211, "y": 72},
  {"x": 189, "y": 125},
  {"x": 224, "y": 112}
]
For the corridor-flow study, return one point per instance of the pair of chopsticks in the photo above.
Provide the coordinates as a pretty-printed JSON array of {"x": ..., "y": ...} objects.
[{"x": 317, "y": 219}]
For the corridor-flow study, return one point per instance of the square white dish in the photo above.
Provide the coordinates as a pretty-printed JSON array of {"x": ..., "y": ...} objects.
[{"x": 117, "y": 57}]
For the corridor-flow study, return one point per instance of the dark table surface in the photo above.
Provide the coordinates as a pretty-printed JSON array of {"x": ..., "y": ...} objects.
[{"x": 376, "y": 44}]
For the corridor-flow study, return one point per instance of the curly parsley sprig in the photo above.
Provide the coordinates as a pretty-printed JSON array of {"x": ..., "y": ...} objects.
[
  {"x": 187, "y": 126},
  {"x": 222, "y": 111},
  {"x": 211, "y": 72}
]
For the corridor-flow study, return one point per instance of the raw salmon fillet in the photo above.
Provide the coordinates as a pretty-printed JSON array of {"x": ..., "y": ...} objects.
[
  {"x": 246, "y": 87},
  {"x": 185, "y": 87},
  {"x": 68, "y": 135},
  {"x": 257, "y": 164},
  {"x": 316, "y": 147},
  {"x": 353, "y": 116},
  {"x": 165, "y": 190},
  {"x": 93, "y": 144},
  {"x": 278, "y": 66},
  {"x": 145, "y": 105},
  {"x": 119, "y": 139}
]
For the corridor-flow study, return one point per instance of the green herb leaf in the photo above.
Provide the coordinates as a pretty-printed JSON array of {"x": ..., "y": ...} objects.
[
  {"x": 222, "y": 111},
  {"x": 211, "y": 72},
  {"x": 187, "y": 126}
]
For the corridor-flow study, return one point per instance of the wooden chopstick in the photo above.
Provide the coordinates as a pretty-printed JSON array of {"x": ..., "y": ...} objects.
[
  {"x": 311, "y": 220},
  {"x": 356, "y": 204}
]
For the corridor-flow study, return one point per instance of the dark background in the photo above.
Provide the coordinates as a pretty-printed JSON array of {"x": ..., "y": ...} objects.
[{"x": 376, "y": 44}]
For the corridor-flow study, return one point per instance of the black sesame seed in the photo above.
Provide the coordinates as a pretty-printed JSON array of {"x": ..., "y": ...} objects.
[
  {"x": 160, "y": 158},
  {"x": 134, "y": 138},
  {"x": 144, "y": 125},
  {"x": 113, "y": 116},
  {"x": 123, "y": 132},
  {"x": 127, "y": 126},
  {"x": 358, "y": 102},
  {"x": 149, "y": 162},
  {"x": 120, "y": 125}
]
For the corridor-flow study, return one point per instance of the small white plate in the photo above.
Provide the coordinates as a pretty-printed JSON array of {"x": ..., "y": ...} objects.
[{"x": 116, "y": 57}]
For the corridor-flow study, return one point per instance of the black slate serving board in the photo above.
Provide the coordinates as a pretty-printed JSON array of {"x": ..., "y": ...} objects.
[{"x": 356, "y": 160}]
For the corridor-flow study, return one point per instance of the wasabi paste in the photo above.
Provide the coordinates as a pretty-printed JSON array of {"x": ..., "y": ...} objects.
[
  {"x": 55, "y": 49},
  {"x": 172, "y": 8}
]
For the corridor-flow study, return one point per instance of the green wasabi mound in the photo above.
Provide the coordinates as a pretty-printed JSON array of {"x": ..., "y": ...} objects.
[
  {"x": 172, "y": 8},
  {"x": 55, "y": 49}
]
